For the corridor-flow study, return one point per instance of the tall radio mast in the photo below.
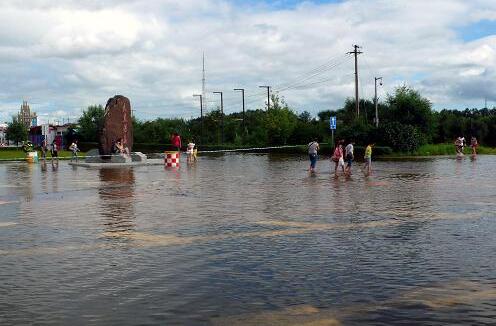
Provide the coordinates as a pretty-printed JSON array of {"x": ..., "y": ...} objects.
[{"x": 204, "y": 94}]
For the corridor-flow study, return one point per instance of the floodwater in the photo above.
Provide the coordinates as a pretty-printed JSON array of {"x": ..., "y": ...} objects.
[{"x": 245, "y": 239}]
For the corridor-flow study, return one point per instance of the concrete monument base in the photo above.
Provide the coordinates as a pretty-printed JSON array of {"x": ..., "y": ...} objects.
[{"x": 105, "y": 165}]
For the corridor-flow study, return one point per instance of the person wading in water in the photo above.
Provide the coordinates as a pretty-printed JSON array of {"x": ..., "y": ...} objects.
[{"x": 313, "y": 147}]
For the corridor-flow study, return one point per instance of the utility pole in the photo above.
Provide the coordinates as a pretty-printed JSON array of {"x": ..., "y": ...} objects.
[
  {"x": 222, "y": 114},
  {"x": 375, "y": 100},
  {"x": 268, "y": 96},
  {"x": 201, "y": 115},
  {"x": 243, "y": 98},
  {"x": 356, "y": 52}
]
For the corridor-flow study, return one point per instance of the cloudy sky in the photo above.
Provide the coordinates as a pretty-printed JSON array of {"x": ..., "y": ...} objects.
[{"x": 62, "y": 56}]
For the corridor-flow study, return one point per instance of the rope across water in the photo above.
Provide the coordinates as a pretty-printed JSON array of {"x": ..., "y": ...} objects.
[{"x": 250, "y": 149}]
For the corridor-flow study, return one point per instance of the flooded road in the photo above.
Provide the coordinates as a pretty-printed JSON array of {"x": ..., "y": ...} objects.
[{"x": 245, "y": 239}]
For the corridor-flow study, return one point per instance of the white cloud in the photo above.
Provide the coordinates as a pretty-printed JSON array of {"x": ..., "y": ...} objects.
[
  {"x": 472, "y": 72},
  {"x": 70, "y": 54}
]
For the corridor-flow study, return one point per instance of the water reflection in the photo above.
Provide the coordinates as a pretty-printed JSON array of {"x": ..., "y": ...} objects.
[
  {"x": 21, "y": 176},
  {"x": 249, "y": 236},
  {"x": 116, "y": 194}
]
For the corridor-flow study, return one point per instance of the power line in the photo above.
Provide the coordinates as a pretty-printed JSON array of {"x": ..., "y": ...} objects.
[
  {"x": 302, "y": 83},
  {"x": 312, "y": 75},
  {"x": 306, "y": 85},
  {"x": 316, "y": 70}
]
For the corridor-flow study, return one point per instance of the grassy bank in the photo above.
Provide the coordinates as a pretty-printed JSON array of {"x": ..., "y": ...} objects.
[
  {"x": 19, "y": 155},
  {"x": 8, "y": 154},
  {"x": 441, "y": 150}
]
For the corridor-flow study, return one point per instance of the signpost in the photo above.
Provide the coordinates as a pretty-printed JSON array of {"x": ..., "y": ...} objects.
[{"x": 332, "y": 125}]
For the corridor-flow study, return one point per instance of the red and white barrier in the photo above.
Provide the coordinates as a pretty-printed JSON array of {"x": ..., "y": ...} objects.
[{"x": 171, "y": 159}]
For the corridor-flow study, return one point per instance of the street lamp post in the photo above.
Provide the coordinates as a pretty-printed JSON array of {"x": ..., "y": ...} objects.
[
  {"x": 243, "y": 98},
  {"x": 222, "y": 114},
  {"x": 201, "y": 115},
  {"x": 375, "y": 100}
]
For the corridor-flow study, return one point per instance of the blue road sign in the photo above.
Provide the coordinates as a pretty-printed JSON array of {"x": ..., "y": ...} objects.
[{"x": 333, "y": 123}]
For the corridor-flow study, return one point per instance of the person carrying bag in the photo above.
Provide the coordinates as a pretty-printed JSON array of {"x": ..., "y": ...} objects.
[{"x": 337, "y": 157}]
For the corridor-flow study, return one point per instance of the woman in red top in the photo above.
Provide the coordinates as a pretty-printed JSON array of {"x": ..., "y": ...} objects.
[
  {"x": 474, "y": 144},
  {"x": 337, "y": 157},
  {"x": 176, "y": 141}
]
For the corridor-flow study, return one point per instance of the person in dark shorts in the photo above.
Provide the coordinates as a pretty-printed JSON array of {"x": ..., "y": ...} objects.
[
  {"x": 55, "y": 152},
  {"x": 313, "y": 147}
]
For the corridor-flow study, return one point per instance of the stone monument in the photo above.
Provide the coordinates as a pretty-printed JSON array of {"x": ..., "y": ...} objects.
[{"x": 117, "y": 124}]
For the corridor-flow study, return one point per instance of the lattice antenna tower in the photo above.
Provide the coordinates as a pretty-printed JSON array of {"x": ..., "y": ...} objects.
[{"x": 204, "y": 93}]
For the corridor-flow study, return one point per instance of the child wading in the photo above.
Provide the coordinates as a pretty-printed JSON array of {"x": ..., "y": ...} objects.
[
  {"x": 368, "y": 160},
  {"x": 313, "y": 147},
  {"x": 191, "y": 151}
]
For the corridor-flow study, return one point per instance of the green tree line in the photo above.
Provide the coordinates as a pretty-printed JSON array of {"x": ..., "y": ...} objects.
[
  {"x": 406, "y": 121},
  {"x": 16, "y": 131}
]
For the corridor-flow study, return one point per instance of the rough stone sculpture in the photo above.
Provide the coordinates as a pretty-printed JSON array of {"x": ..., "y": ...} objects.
[{"x": 117, "y": 124}]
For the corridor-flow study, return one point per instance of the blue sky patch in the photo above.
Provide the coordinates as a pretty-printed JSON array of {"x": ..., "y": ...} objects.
[
  {"x": 285, "y": 4},
  {"x": 477, "y": 30}
]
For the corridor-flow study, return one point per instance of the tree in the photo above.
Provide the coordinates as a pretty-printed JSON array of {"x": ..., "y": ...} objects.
[
  {"x": 17, "y": 131},
  {"x": 307, "y": 129},
  {"x": 70, "y": 135},
  {"x": 257, "y": 133},
  {"x": 305, "y": 117},
  {"x": 408, "y": 107},
  {"x": 91, "y": 123},
  {"x": 280, "y": 122}
]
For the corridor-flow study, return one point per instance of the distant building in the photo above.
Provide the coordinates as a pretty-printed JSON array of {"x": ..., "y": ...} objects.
[
  {"x": 28, "y": 118},
  {"x": 50, "y": 133},
  {"x": 3, "y": 134}
]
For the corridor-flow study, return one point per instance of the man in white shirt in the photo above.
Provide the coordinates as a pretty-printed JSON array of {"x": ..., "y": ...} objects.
[
  {"x": 74, "y": 149},
  {"x": 313, "y": 147},
  {"x": 349, "y": 157}
]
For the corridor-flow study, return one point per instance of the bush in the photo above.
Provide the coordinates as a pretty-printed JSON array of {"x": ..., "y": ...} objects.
[
  {"x": 403, "y": 138},
  {"x": 359, "y": 132}
]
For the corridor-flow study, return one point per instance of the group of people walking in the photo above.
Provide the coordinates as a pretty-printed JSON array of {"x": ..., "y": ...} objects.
[
  {"x": 54, "y": 151},
  {"x": 191, "y": 150},
  {"x": 342, "y": 157},
  {"x": 460, "y": 145}
]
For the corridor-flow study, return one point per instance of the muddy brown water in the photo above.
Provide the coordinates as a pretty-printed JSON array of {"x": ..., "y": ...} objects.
[{"x": 249, "y": 239}]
